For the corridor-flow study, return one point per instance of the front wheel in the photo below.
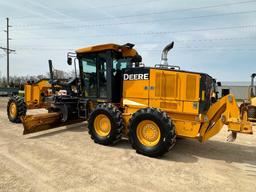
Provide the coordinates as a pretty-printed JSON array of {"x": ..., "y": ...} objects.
[
  {"x": 151, "y": 132},
  {"x": 105, "y": 124},
  {"x": 16, "y": 108}
]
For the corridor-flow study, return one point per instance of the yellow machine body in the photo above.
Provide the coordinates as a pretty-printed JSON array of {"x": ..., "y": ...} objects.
[
  {"x": 178, "y": 94},
  {"x": 35, "y": 92},
  {"x": 253, "y": 101}
]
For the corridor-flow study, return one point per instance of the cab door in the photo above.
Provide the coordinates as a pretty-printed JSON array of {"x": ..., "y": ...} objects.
[{"x": 95, "y": 73}]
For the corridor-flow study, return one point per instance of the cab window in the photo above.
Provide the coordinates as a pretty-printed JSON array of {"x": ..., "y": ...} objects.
[{"x": 89, "y": 73}]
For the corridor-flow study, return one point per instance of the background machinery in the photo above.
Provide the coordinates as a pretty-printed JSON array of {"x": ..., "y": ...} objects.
[
  {"x": 151, "y": 106},
  {"x": 37, "y": 95},
  {"x": 34, "y": 93},
  {"x": 248, "y": 109}
]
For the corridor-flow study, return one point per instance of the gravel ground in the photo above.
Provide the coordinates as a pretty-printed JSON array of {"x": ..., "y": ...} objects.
[{"x": 66, "y": 159}]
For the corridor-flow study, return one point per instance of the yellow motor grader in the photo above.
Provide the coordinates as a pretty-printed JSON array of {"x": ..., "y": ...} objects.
[
  {"x": 119, "y": 96},
  {"x": 35, "y": 96}
]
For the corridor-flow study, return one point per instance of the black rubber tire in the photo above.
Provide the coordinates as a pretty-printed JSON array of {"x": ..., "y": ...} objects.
[
  {"x": 21, "y": 108},
  {"x": 117, "y": 124},
  {"x": 252, "y": 112},
  {"x": 167, "y": 128}
]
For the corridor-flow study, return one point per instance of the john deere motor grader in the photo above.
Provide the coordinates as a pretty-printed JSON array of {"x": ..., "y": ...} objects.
[
  {"x": 248, "y": 109},
  {"x": 152, "y": 106}
]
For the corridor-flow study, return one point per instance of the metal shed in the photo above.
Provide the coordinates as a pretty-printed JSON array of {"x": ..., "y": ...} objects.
[{"x": 239, "y": 89}]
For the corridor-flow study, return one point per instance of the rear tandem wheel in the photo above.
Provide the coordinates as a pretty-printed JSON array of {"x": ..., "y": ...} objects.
[{"x": 151, "y": 132}]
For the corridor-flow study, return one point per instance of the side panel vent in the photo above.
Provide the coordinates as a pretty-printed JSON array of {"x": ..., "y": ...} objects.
[
  {"x": 170, "y": 86},
  {"x": 166, "y": 85},
  {"x": 158, "y": 84},
  {"x": 168, "y": 105},
  {"x": 191, "y": 87}
]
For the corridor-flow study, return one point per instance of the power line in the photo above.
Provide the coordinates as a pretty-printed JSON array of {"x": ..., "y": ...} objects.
[
  {"x": 154, "y": 33},
  {"x": 124, "y": 4},
  {"x": 5, "y": 49},
  {"x": 180, "y": 31},
  {"x": 135, "y": 22},
  {"x": 44, "y": 49},
  {"x": 100, "y": 7},
  {"x": 177, "y": 41},
  {"x": 217, "y": 39},
  {"x": 157, "y": 32},
  {"x": 192, "y": 46},
  {"x": 188, "y": 9},
  {"x": 164, "y": 12},
  {"x": 207, "y": 49}
]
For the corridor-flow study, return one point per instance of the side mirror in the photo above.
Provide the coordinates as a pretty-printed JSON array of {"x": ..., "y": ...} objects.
[
  {"x": 219, "y": 84},
  {"x": 69, "y": 61}
]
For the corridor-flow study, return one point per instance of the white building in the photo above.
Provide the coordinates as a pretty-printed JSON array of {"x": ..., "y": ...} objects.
[{"x": 239, "y": 89}]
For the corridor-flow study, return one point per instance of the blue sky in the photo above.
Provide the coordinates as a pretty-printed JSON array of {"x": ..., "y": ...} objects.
[{"x": 212, "y": 36}]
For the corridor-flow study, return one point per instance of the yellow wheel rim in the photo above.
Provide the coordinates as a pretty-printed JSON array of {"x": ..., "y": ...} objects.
[
  {"x": 102, "y": 125},
  {"x": 148, "y": 133},
  {"x": 13, "y": 110}
]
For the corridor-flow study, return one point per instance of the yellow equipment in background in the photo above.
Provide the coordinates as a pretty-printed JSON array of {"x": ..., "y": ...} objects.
[
  {"x": 151, "y": 106},
  {"x": 34, "y": 94},
  {"x": 248, "y": 109}
]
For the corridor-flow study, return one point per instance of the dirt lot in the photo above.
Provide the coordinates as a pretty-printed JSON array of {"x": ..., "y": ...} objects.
[{"x": 66, "y": 159}]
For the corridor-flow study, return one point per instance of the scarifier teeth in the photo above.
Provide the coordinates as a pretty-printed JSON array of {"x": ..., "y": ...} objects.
[{"x": 231, "y": 137}]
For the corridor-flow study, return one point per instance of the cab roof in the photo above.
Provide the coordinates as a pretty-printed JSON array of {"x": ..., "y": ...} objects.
[{"x": 126, "y": 49}]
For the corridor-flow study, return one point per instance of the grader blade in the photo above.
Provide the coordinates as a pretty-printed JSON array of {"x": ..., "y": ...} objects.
[{"x": 41, "y": 122}]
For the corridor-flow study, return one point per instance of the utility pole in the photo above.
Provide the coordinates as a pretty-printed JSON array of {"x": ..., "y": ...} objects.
[{"x": 7, "y": 50}]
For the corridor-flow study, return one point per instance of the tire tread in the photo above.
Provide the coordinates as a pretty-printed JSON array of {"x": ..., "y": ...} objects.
[{"x": 170, "y": 137}]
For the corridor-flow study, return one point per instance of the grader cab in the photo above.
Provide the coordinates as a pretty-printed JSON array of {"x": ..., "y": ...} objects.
[{"x": 119, "y": 96}]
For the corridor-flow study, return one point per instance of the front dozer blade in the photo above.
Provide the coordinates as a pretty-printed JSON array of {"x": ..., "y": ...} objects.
[{"x": 41, "y": 122}]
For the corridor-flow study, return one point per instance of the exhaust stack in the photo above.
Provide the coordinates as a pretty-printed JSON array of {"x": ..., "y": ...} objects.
[
  {"x": 164, "y": 58},
  {"x": 253, "y": 76}
]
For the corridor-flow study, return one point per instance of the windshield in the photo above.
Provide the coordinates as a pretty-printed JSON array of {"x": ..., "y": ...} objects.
[{"x": 119, "y": 64}]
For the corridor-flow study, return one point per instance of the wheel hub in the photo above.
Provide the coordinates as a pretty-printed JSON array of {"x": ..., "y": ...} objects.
[
  {"x": 102, "y": 125},
  {"x": 13, "y": 110},
  {"x": 148, "y": 133}
]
